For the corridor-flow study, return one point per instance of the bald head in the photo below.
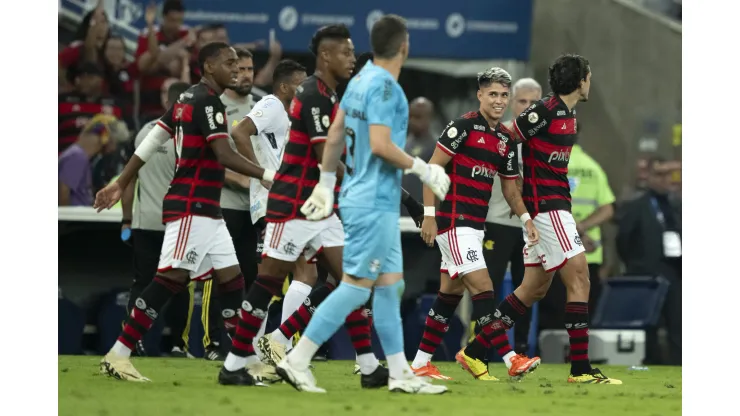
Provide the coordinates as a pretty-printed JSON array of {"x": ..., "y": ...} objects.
[{"x": 421, "y": 111}]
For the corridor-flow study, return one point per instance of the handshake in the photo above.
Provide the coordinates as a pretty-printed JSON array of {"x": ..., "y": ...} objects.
[{"x": 321, "y": 202}]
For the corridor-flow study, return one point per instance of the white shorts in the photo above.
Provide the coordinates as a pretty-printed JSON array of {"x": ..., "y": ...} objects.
[
  {"x": 197, "y": 244},
  {"x": 559, "y": 241},
  {"x": 462, "y": 251},
  {"x": 288, "y": 240}
]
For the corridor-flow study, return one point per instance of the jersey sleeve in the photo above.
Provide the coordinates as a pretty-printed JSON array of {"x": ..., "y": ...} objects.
[
  {"x": 210, "y": 118},
  {"x": 381, "y": 103},
  {"x": 167, "y": 122},
  {"x": 452, "y": 136},
  {"x": 317, "y": 114},
  {"x": 531, "y": 121},
  {"x": 265, "y": 114},
  {"x": 509, "y": 168}
]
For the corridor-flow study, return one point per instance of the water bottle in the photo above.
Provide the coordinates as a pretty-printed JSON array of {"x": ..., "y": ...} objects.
[{"x": 638, "y": 368}]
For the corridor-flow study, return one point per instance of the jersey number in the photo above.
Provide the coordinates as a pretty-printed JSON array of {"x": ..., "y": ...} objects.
[
  {"x": 351, "y": 134},
  {"x": 271, "y": 139}
]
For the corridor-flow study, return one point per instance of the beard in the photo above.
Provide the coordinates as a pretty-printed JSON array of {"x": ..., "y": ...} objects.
[{"x": 242, "y": 90}]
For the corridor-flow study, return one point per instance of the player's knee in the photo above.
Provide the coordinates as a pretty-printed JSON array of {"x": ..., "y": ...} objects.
[{"x": 477, "y": 281}]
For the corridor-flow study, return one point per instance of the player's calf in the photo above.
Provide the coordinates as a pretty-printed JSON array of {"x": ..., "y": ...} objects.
[
  {"x": 298, "y": 321},
  {"x": 145, "y": 311},
  {"x": 253, "y": 310},
  {"x": 435, "y": 328}
]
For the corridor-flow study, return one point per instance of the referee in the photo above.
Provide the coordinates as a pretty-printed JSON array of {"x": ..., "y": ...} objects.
[
  {"x": 147, "y": 231},
  {"x": 503, "y": 242}
]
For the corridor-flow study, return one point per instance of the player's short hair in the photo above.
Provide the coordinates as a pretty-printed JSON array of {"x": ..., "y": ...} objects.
[
  {"x": 336, "y": 32},
  {"x": 525, "y": 84},
  {"x": 567, "y": 72},
  {"x": 493, "y": 75},
  {"x": 210, "y": 50},
  {"x": 387, "y": 36},
  {"x": 175, "y": 90},
  {"x": 242, "y": 53},
  {"x": 172, "y": 6},
  {"x": 285, "y": 70}
]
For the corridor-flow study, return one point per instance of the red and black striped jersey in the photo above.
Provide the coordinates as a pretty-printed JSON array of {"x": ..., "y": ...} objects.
[
  {"x": 197, "y": 118},
  {"x": 75, "y": 110},
  {"x": 548, "y": 129},
  {"x": 478, "y": 152},
  {"x": 311, "y": 113}
]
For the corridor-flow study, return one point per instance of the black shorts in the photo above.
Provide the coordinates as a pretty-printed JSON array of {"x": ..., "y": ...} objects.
[
  {"x": 147, "y": 245},
  {"x": 502, "y": 245},
  {"x": 245, "y": 236}
]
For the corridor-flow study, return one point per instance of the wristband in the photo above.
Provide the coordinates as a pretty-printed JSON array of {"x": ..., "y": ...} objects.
[
  {"x": 269, "y": 175},
  {"x": 525, "y": 217},
  {"x": 429, "y": 211},
  {"x": 328, "y": 179}
]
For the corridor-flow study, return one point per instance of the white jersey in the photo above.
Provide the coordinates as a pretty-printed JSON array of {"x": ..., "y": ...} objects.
[
  {"x": 273, "y": 127},
  {"x": 498, "y": 208}
]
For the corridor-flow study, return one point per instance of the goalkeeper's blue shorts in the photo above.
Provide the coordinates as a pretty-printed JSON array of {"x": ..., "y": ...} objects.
[{"x": 372, "y": 242}]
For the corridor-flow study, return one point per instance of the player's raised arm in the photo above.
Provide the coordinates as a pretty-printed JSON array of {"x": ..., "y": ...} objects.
[{"x": 527, "y": 124}]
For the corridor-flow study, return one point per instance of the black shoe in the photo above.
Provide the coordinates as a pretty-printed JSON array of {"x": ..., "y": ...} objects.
[
  {"x": 240, "y": 377},
  {"x": 213, "y": 353},
  {"x": 178, "y": 352},
  {"x": 378, "y": 379}
]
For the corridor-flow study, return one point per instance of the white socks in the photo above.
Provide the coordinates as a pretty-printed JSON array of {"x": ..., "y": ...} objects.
[
  {"x": 258, "y": 336},
  {"x": 368, "y": 363},
  {"x": 121, "y": 349},
  {"x": 421, "y": 359},
  {"x": 507, "y": 358},
  {"x": 301, "y": 356},
  {"x": 398, "y": 367},
  {"x": 294, "y": 297},
  {"x": 234, "y": 362}
]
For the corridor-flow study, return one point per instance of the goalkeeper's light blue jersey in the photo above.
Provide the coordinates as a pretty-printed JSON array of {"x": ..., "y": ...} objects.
[{"x": 373, "y": 97}]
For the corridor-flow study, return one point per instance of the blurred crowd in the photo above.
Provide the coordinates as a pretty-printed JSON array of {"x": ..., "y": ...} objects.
[{"x": 96, "y": 77}]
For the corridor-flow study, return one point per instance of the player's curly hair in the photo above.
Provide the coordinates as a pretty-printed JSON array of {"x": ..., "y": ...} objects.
[
  {"x": 567, "y": 72},
  {"x": 339, "y": 32}
]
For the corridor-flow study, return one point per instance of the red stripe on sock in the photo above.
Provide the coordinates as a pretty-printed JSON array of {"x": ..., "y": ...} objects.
[
  {"x": 480, "y": 338},
  {"x": 579, "y": 357},
  {"x": 141, "y": 318},
  {"x": 579, "y": 347},
  {"x": 578, "y": 333}
]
